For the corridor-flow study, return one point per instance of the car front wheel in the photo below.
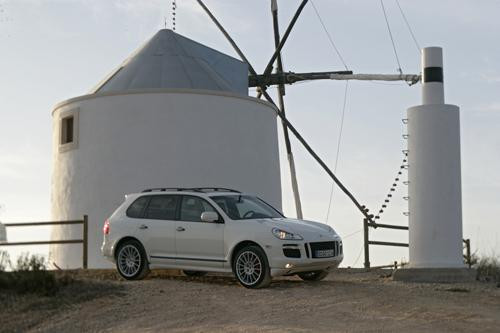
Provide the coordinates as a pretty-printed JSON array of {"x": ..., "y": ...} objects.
[
  {"x": 251, "y": 268},
  {"x": 131, "y": 260},
  {"x": 313, "y": 276}
]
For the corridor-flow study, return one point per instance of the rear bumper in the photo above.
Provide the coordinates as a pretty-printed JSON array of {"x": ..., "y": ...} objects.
[{"x": 107, "y": 250}]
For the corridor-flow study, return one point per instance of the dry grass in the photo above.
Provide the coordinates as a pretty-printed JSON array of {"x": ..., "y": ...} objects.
[
  {"x": 31, "y": 276},
  {"x": 31, "y": 289},
  {"x": 488, "y": 269}
]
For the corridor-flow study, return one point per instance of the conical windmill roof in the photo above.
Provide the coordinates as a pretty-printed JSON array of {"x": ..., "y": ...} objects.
[{"x": 169, "y": 60}]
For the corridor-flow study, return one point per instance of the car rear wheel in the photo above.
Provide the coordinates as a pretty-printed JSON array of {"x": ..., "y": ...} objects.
[
  {"x": 314, "y": 275},
  {"x": 131, "y": 260},
  {"x": 194, "y": 273},
  {"x": 251, "y": 268}
]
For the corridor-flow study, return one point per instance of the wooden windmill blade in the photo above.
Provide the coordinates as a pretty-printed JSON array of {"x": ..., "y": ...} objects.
[
  {"x": 282, "y": 41},
  {"x": 290, "y": 127}
]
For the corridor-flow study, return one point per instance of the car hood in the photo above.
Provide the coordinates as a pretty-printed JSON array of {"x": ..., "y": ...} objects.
[{"x": 302, "y": 227}]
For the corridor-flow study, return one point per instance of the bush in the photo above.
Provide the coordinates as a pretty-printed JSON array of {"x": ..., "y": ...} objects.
[
  {"x": 4, "y": 261},
  {"x": 31, "y": 276},
  {"x": 488, "y": 269},
  {"x": 27, "y": 262}
]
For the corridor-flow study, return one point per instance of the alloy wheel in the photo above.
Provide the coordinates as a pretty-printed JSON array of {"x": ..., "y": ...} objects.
[
  {"x": 129, "y": 260},
  {"x": 248, "y": 268}
]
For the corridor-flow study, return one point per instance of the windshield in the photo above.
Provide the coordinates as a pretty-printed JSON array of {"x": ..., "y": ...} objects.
[{"x": 244, "y": 207}]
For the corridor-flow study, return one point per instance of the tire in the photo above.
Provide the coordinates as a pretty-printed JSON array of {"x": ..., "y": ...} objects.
[
  {"x": 132, "y": 261},
  {"x": 251, "y": 268},
  {"x": 194, "y": 273},
  {"x": 314, "y": 275}
]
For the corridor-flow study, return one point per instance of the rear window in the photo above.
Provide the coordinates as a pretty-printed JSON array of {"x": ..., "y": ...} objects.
[{"x": 136, "y": 209}]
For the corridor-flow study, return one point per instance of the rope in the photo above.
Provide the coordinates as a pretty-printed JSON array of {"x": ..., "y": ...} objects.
[
  {"x": 338, "y": 148},
  {"x": 174, "y": 7},
  {"x": 359, "y": 255},
  {"x": 328, "y": 35},
  {"x": 409, "y": 27},
  {"x": 390, "y": 35},
  {"x": 352, "y": 234},
  {"x": 392, "y": 189}
]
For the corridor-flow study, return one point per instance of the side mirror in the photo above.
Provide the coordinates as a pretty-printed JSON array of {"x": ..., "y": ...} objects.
[
  {"x": 3, "y": 234},
  {"x": 209, "y": 216}
]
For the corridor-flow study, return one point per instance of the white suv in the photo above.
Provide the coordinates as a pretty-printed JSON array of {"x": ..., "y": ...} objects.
[{"x": 218, "y": 230}]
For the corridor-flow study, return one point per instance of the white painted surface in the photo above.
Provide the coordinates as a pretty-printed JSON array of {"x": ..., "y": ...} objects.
[
  {"x": 410, "y": 78},
  {"x": 435, "y": 220},
  {"x": 432, "y": 92},
  {"x": 131, "y": 141},
  {"x": 435, "y": 186}
]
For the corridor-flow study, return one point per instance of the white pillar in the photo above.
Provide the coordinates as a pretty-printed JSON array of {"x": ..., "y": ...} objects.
[
  {"x": 432, "y": 76},
  {"x": 435, "y": 220}
]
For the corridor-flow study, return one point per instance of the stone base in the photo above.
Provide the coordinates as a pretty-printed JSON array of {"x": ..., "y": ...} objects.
[{"x": 435, "y": 275}]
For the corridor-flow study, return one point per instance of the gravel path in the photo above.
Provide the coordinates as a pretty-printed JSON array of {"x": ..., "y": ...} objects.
[{"x": 346, "y": 301}]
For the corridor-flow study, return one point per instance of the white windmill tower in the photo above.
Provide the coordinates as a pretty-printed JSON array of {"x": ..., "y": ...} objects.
[{"x": 176, "y": 113}]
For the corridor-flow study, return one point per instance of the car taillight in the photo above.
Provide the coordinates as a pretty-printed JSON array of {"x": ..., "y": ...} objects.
[{"x": 105, "y": 228}]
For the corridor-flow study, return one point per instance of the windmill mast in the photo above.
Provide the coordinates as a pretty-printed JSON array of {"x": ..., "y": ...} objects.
[{"x": 281, "y": 105}]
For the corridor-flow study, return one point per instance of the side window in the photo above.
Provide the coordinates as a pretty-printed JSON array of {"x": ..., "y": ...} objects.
[
  {"x": 136, "y": 209},
  {"x": 228, "y": 206},
  {"x": 67, "y": 124},
  {"x": 162, "y": 207},
  {"x": 192, "y": 207}
]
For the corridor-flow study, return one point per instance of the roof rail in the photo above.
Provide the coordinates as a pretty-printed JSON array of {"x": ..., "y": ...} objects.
[
  {"x": 216, "y": 189},
  {"x": 190, "y": 189},
  {"x": 164, "y": 189}
]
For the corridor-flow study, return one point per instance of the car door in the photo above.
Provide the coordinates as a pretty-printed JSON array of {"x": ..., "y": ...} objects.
[
  {"x": 156, "y": 230},
  {"x": 198, "y": 243}
]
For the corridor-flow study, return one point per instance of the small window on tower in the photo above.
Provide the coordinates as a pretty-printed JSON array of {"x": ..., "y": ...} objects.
[{"x": 68, "y": 130}]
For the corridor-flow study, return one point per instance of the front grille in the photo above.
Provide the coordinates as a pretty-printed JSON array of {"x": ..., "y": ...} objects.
[
  {"x": 325, "y": 249},
  {"x": 291, "y": 253}
]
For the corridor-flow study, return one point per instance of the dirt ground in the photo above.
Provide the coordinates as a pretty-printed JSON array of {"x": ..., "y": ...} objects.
[{"x": 348, "y": 300}]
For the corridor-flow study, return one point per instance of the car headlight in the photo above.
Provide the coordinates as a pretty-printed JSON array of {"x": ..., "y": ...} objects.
[{"x": 285, "y": 235}]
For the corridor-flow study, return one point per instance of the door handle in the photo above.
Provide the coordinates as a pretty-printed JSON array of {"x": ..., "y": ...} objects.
[
  {"x": 143, "y": 226},
  {"x": 180, "y": 229}
]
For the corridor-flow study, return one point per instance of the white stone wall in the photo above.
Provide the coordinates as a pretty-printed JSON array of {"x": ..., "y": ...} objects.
[{"x": 178, "y": 138}]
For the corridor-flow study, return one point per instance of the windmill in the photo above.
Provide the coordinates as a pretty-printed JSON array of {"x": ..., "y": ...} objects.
[
  {"x": 280, "y": 78},
  {"x": 433, "y": 154}
]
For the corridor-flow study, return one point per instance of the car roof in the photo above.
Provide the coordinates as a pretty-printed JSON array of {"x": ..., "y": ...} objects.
[{"x": 179, "y": 190}]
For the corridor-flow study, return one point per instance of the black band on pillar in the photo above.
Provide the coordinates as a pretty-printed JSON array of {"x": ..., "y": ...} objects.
[{"x": 433, "y": 74}]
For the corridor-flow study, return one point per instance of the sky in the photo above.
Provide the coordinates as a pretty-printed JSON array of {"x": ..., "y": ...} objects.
[{"x": 52, "y": 50}]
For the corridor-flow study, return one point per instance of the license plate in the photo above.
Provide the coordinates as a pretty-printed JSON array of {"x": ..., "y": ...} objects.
[{"x": 324, "y": 253}]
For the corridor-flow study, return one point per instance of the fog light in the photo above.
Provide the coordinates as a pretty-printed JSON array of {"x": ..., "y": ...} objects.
[{"x": 288, "y": 266}]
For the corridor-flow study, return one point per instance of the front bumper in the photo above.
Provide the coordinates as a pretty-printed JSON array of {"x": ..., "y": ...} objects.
[{"x": 282, "y": 265}]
